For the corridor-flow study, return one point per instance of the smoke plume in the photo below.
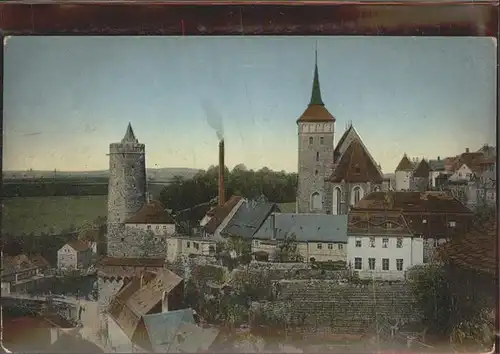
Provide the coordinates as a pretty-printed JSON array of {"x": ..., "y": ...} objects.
[{"x": 214, "y": 118}]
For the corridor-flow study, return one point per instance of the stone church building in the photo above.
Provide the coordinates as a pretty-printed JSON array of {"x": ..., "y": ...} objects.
[{"x": 331, "y": 178}]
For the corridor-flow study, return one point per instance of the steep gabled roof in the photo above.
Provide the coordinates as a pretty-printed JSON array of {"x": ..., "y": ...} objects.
[
  {"x": 356, "y": 166},
  {"x": 405, "y": 164},
  {"x": 422, "y": 170},
  {"x": 219, "y": 213},
  {"x": 132, "y": 302},
  {"x": 249, "y": 217},
  {"x": 339, "y": 149},
  {"x": 151, "y": 213},
  {"x": 474, "y": 250},
  {"x": 470, "y": 159}
]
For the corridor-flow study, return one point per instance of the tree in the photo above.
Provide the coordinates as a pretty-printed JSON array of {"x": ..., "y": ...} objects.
[{"x": 288, "y": 250}]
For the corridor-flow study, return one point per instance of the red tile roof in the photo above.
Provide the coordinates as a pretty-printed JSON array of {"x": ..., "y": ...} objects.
[
  {"x": 151, "y": 213},
  {"x": 219, "y": 213},
  {"x": 132, "y": 262},
  {"x": 476, "y": 249},
  {"x": 428, "y": 202},
  {"x": 78, "y": 245},
  {"x": 471, "y": 159},
  {"x": 405, "y": 164},
  {"x": 356, "y": 166},
  {"x": 316, "y": 113}
]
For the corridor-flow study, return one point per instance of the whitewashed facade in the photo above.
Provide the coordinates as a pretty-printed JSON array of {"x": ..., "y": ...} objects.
[
  {"x": 384, "y": 257},
  {"x": 463, "y": 173},
  {"x": 157, "y": 229},
  {"x": 186, "y": 246}
]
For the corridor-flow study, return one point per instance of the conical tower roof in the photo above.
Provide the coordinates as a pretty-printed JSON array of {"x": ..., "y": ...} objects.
[
  {"x": 129, "y": 135},
  {"x": 316, "y": 111},
  {"x": 405, "y": 164}
]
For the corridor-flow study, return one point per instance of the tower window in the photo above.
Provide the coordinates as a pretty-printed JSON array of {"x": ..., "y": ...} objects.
[
  {"x": 310, "y": 140},
  {"x": 317, "y": 156},
  {"x": 321, "y": 140}
]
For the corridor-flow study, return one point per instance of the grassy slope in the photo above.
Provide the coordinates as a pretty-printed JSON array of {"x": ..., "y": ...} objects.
[{"x": 39, "y": 214}]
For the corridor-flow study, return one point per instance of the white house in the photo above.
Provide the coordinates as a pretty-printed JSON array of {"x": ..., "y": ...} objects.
[
  {"x": 186, "y": 246},
  {"x": 154, "y": 218},
  {"x": 463, "y": 173},
  {"x": 74, "y": 255},
  {"x": 381, "y": 245},
  {"x": 319, "y": 237},
  {"x": 403, "y": 174}
]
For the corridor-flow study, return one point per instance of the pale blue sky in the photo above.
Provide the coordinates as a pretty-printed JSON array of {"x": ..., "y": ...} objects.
[{"x": 67, "y": 98}]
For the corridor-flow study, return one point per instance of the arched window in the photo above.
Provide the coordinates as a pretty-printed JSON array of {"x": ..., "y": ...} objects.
[
  {"x": 376, "y": 189},
  {"x": 356, "y": 192},
  {"x": 316, "y": 201},
  {"x": 338, "y": 200},
  {"x": 310, "y": 140}
]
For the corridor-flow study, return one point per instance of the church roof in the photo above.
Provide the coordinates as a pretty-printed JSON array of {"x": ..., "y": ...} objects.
[
  {"x": 316, "y": 111},
  {"x": 356, "y": 166},
  {"x": 422, "y": 169},
  {"x": 129, "y": 135},
  {"x": 336, "y": 151},
  {"x": 405, "y": 164}
]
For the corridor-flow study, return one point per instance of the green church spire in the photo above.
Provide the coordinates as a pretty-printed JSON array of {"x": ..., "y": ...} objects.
[{"x": 316, "y": 91}]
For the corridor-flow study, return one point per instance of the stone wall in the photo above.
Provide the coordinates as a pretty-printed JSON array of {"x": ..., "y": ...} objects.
[{"x": 315, "y": 305}]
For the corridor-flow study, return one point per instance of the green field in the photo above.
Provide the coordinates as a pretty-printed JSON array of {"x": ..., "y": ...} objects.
[{"x": 50, "y": 214}]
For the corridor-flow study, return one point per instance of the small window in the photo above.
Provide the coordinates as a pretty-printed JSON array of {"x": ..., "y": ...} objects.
[
  {"x": 372, "y": 242},
  {"x": 371, "y": 263},
  {"x": 123, "y": 239},
  {"x": 148, "y": 227},
  {"x": 385, "y": 242},
  {"x": 188, "y": 244},
  {"x": 385, "y": 263},
  {"x": 317, "y": 156},
  {"x": 330, "y": 246},
  {"x": 311, "y": 140},
  {"x": 452, "y": 224},
  {"x": 358, "y": 263},
  {"x": 321, "y": 140},
  {"x": 164, "y": 227},
  {"x": 399, "y": 242},
  {"x": 319, "y": 246},
  {"x": 157, "y": 227},
  {"x": 196, "y": 245},
  {"x": 316, "y": 172},
  {"x": 358, "y": 243},
  {"x": 341, "y": 246},
  {"x": 399, "y": 264}
]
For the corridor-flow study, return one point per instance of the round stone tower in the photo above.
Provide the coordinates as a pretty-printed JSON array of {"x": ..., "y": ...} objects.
[{"x": 126, "y": 191}]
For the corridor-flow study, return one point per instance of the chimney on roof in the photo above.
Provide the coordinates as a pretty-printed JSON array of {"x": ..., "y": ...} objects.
[
  {"x": 222, "y": 196},
  {"x": 467, "y": 150},
  {"x": 439, "y": 158}
]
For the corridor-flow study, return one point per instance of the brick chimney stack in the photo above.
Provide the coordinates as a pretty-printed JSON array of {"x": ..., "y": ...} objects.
[{"x": 222, "y": 196}]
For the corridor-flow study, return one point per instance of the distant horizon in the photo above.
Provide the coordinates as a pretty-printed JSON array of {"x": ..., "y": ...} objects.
[{"x": 67, "y": 98}]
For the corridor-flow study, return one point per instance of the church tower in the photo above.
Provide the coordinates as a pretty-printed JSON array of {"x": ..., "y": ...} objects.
[
  {"x": 315, "y": 147},
  {"x": 126, "y": 191}
]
